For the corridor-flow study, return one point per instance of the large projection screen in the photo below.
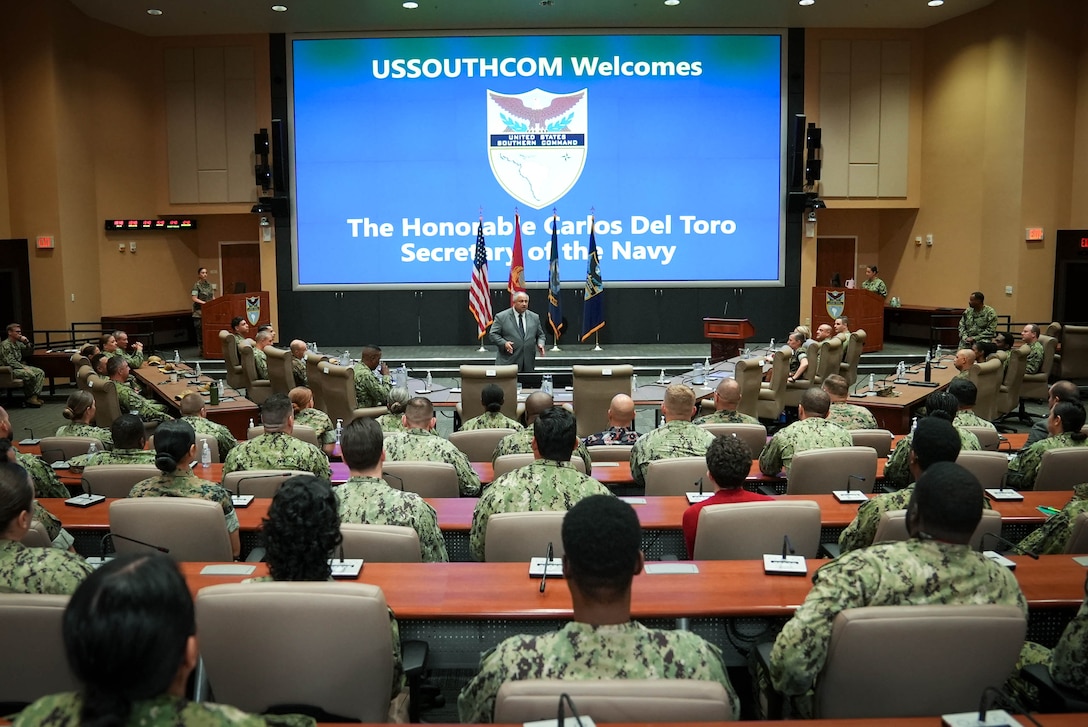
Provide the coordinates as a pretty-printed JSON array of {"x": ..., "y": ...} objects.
[{"x": 674, "y": 143}]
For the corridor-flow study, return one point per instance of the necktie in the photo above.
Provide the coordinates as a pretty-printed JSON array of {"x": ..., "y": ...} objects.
[{"x": 521, "y": 324}]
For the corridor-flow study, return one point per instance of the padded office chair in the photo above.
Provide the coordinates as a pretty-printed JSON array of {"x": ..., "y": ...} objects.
[
  {"x": 381, "y": 543},
  {"x": 258, "y": 638},
  {"x": 116, "y": 480},
  {"x": 473, "y": 381},
  {"x": 1037, "y": 386},
  {"x": 190, "y": 529},
  {"x": 893, "y": 526},
  {"x": 828, "y": 361},
  {"x": 280, "y": 374},
  {"x": 259, "y": 483},
  {"x": 79, "y": 361},
  {"x": 1008, "y": 395},
  {"x": 820, "y": 471},
  {"x": 989, "y": 467},
  {"x": 747, "y": 530},
  {"x": 257, "y": 389},
  {"x": 594, "y": 387},
  {"x": 299, "y": 431},
  {"x": 749, "y": 374},
  {"x": 754, "y": 434},
  {"x": 1075, "y": 353},
  {"x": 944, "y": 657},
  {"x": 338, "y": 385},
  {"x": 30, "y": 630},
  {"x": 213, "y": 448},
  {"x": 1062, "y": 468},
  {"x": 610, "y": 453},
  {"x": 313, "y": 377},
  {"x": 517, "y": 537},
  {"x": 478, "y": 444},
  {"x": 1078, "y": 538},
  {"x": 235, "y": 377},
  {"x": 427, "y": 479},
  {"x": 772, "y": 395},
  {"x": 55, "y": 449},
  {"x": 879, "y": 439},
  {"x": 615, "y": 700},
  {"x": 987, "y": 376},
  {"x": 37, "y": 536},
  {"x": 676, "y": 475},
  {"x": 510, "y": 462},
  {"x": 988, "y": 438},
  {"x": 83, "y": 384},
  {"x": 849, "y": 366},
  {"x": 107, "y": 405},
  {"x": 8, "y": 382},
  {"x": 795, "y": 389}
]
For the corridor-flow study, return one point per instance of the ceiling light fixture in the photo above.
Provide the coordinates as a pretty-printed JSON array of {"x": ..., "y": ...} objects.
[
  {"x": 410, "y": 4},
  {"x": 279, "y": 8},
  {"x": 154, "y": 12},
  {"x": 804, "y": 3},
  {"x": 672, "y": 2},
  {"x": 935, "y": 3}
]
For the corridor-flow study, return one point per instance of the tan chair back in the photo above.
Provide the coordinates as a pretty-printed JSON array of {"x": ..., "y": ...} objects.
[
  {"x": 978, "y": 648},
  {"x": 427, "y": 479},
  {"x": 594, "y": 387},
  {"x": 116, "y": 480},
  {"x": 1062, "y": 468},
  {"x": 517, "y": 537},
  {"x": 78, "y": 362},
  {"x": 37, "y": 536},
  {"x": 280, "y": 373},
  {"x": 82, "y": 382},
  {"x": 235, "y": 378},
  {"x": 893, "y": 527},
  {"x": 987, "y": 376},
  {"x": 878, "y": 439},
  {"x": 748, "y": 530},
  {"x": 30, "y": 630},
  {"x": 475, "y": 378},
  {"x": 478, "y": 444},
  {"x": 772, "y": 394},
  {"x": 1036, "y": 386},
  {"x": 338, "y": 385},
  {"x": 1075, "y": 352},
  {"x": 820, "y": 471},
  {"x": 55, "y": 449},
  {"x": 107, "y": 405},
  {"x": 676, "y": 475},
  {"x": 990, "y": 467},
  {"x": 257, "y": 390},
  {"x": 258, "y": 638},
  {"x": 299, "y": 431},
  {"x": 510, "y": 462},
  {"x": 191, "y": 529},
  {"x": 795, "y": 389},
  {"x": 1078, "y": 538},
  {"x": 1008, "y": 397},
  {"x": 829, "y": 359},
  {"x": 610, "y": 453},
  {"x": 615, "y": 700},
  {"x": 849, "y": 366},
  {"x": 749, "y": 374},
  {"x": 988, "y": 437},
  {"x": 8, "y": 380},
  {"x": 381, "y": 543},
  {"x": 259, "y": 483},
  {"x": 754, "y": 434},
  {"x": 314, "y": 379}
]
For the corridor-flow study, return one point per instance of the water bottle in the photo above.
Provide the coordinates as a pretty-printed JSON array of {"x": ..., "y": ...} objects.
[
  {"x": 345, "y": 358},
  {"x": 404, "y": 374},
  {"x": 222, "y": 388},
  {"x": 250, "y": 424},
  {"x": 546, "y": 384},
  {"x": 213, "y": 394},
  {"x": 772, "y": 346},
  {"x": 430, "y": 382},
  {"x": 901, "y": 371},
  {"x": 913, "y": 424},
  {"x": 199, "y": 373},
  {"x": 205, "y": 454},
  {"x": 661, "y": 378},
  {"x": 339, "y": 430},
  {"x": 634, "y": 383},
  {"x": 706, "y": 363},
  {"x": 872, "y": 383},
  {"x": 937, "y": 353},
  {"x": 92, "y": 449},
  {"x": 929, "y": 370},
  {"x": 177, "y": 357},
  {"x": 699, "y": 376}
]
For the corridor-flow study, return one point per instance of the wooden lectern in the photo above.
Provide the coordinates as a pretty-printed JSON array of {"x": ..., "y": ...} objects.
[
  {"x": 726, "y": 335},
  {"x": 864, "y": 308},
  {"x": 218, "y": 313}
]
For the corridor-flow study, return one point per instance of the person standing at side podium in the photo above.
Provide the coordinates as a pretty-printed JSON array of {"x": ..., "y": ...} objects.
[
  {"x": 201, "y": 293},
  {"x": 514, "y": 333}
]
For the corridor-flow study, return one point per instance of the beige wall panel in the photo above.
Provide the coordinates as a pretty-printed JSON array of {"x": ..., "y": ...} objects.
[
  {"x": 894, "y": 134},
  {"x": 865, "y": 102},
  {"x": 895, "y": 56},
  {"x": 863, "y": 180},
  {"x": 178, "y": 64},
  {"x": 240, "y": 127},
  {"x": 211, "y": 136},
  {"x": 835, "y": 56},
  {"x": 238, "y": 62},
  {"x": 835, "y": 122},
  {"x": 213, "y": 185},
  {"x": 181, "y": 142}
]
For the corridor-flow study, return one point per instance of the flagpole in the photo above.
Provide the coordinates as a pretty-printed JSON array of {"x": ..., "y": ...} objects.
[
  {"x": 555, "y": 345},
  {"x": 597, "y": 342},
  {"x": 482, "y": 348}
]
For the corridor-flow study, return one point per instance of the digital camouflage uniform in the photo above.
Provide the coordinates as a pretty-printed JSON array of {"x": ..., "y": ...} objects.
[
  {"x": 60, "y": 537},
  {"x": 904, "y": 573},
  {"x": 147, "y": 410},
  {"x": 372, "y": 501},
  {"x": 612, "y": 435},
  {"x": 393, "y": 423},
  {"x": 980, "y": 326},
  {"x": 727, "y": 416},
  {"x": 203, "y": 290},
  {"x": 298, "y": 370},
  {"x": 1069, "y": 658},
  {"x": 421, "y": 445},
  {"x": 79, "y": 429},
  {"x": 223, "y": 438},
  {"x": 1034, "y": 362},
  {"x": 320, "y": 422},
  {"x": 544, "y": 485},
  {"x": 11, "y": 354},
  {"x": 115, "y": 456},
  {"x": 183, "y": 483},
  {"x": 46, "y": 482},
  {"x": 40, "y": 570},
  {"x": 862, "y": 530},
  {"x": 875, "y": 285},
  {"x": 802, "y": 435},
  {"x": 62, "y": 710},
  {"x": 581, "y": 651},
  {"x": 1052, "y": 536},
  {"x": 260, "y": 362},
  {"x": 897, "y": 468},
  {"x": 672, "y": 439},
  {"x": 968, "y": 418},
  {"x": 851, "y": 416},
  {"x": 277, "y": 451},
  {"x": 370, "y": 389},
  {"x": 492, "y": 420},
  {"x": 1024, "y": 467},
  {"x": 521, "y": 442},
  {"x": 135, "y": 359}
]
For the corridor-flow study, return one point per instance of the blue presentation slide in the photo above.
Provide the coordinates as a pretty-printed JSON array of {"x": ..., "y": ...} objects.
[{"x": 673, "y": 144}]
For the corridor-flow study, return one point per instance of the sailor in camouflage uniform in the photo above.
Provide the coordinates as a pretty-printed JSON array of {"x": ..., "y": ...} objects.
[
  {"x": 129, "y": 439},
  {"x": 118, "y": 371},
  {"x": 601, "y": 538},
  {"x": 136, "y": 358},
  {"x": 298, "y": 362},
  {"x": 23, "y": 569},
  {"x": 11, "y": 354},
  {"x": 367, "y": 498},
  {"x": 201, "y": 293},
  {"x": 371, "y": 378},
  {"x": 175, "y": 450},
  {"x": 521, "y": 441},
  {"x": 302, "y": 404},
  {"x": 846, "y": 415},
  {"x": 395, "y": 402},
  {"x": 811, "y": 431},
  {"x": 1069, "y": 658},
  {"x": 80, "y": 411},
  {"x": 1063, "y": 390},
  {"x": 942, "y": 404},
  {"x": 419, "y": 444},
  {"x": 1052, "y": 536},
  {"x": 46, "y": 483},
  {"x": 936, "y": 566},
  {"x": 1030, "y": 337},
  {"x": 966, "y": 393},
  {"x": 1064, "y": 424},
  {"x": 726, "y": 400},
  {"x": 194, "y": 412},
  {"x": 621, "y": 424},
  {"x": 677, "y": 437},
  {"x": 978, "y": 322},
  {"x": 260, "y": 358},
  {"x": 548, "y": 484},
  {"x": 492, "y": 397},
  {"x": 276, "y": 449}
]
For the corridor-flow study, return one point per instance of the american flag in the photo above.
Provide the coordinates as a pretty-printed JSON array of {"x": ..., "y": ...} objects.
[{"x": 479, "y": 291}]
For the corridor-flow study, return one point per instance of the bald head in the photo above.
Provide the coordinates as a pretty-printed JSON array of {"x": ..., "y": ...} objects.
[
  {"x": 537, "y": 402},
  {"x": 298, "y": 348},
  {"x": 727, "y": 395},
  {"x": 965, "y": 359},
  {"x": 621, "y": 412}
]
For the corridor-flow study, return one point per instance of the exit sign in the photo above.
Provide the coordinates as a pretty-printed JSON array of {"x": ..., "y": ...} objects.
[{"x": 1033, "y": 234}]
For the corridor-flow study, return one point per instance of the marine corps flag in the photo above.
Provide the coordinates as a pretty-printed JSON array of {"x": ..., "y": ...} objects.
[
  {"x": 555, "y": 301},
  {"x": 479, "y": 293},
  {"x": 593, "y": 310},
  {"x": 516, "y": 283}
]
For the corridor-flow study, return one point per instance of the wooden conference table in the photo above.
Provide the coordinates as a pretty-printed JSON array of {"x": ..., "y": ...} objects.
[
  {"x": 234, "y": 411},
  {"x": 895, "y": 412}
]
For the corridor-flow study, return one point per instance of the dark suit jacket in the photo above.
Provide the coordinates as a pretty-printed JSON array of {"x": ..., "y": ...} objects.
[{"x": 505, "y": 328}]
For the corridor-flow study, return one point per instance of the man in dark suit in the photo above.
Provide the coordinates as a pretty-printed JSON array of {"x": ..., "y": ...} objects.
[{"x": 514, "y": 333}]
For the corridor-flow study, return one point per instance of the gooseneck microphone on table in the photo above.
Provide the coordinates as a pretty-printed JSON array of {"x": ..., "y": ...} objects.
[
  {"x": 787, "y": 545},
  {"x": 387, "y": 475},
  {"x": 850, "y": 494},
  {"x": 1008, "y": 544},
  {"x": 560, "y": 716},
  {"x": 544, "y": 575},
  {"x": 111, "y": 536},
  {"x": 990, "y": 717}
]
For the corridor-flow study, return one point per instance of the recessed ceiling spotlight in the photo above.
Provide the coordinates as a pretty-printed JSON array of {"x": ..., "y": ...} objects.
[
  {"x": 935, "y": 3},
  {"x": 672, "y": 2},
  {"x": 154, "y": 11},
  {"x": 279, "y": 8},
  {"x": 806, "y": 2},
  {"x": 410, "y": 4}
]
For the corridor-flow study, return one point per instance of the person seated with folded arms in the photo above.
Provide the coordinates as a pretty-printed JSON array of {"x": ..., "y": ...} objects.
[
  {"x": 175, "y": 452},
  {"x": 129, "y": 440},
  {"x": 418, "y": 443},
  {"x": 130, "y": 637},
  {"x": 1064, "y": 425},
  {"x": 897, "y": 471},
  {"x": 396, "y": 402},
  {"x": 726, "y": 401},
  {"x": 80, "y": 411},
  {"x": 302, "y": 403},
  {"x": 601, "y": 541},
  {"x": 194, "y": 411},
  {"x": 277, "y": 449},
  {"x": 521, "y": 441},
  {"x": 728, "y": 462},
  {"x": 492, "y": 397},
  {"x": 621, "y": 424}
]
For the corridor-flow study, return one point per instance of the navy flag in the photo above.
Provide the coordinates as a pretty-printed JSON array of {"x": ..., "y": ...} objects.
[
  {"x": 593, "y": 310},
  {"x": 555, "y": 301}
]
